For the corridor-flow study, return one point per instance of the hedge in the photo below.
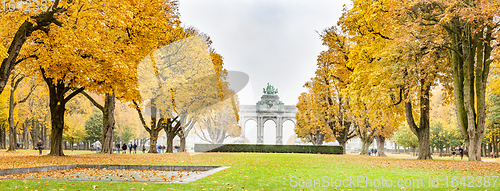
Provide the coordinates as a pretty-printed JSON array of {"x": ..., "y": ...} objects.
[{"x": 268, "y": 148}]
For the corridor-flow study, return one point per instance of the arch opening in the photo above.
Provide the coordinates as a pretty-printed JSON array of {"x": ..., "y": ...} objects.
[
  {"x": 289, "y": 132},
  {"x": 250, "y": 131},
  {"x": 269, "y": 132}
]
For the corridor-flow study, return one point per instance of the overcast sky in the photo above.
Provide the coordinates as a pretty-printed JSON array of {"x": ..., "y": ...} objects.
[{"x": 272, "y": 41}]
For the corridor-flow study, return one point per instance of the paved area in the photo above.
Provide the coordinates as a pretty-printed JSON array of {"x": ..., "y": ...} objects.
[{"x": 121, "y": 175}]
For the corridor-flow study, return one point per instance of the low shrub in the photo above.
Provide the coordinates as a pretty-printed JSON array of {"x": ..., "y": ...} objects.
[{"x": 268, "y": 148}]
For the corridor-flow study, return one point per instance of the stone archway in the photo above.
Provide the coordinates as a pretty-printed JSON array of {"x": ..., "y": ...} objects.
[{"x": 268, "y": 108}]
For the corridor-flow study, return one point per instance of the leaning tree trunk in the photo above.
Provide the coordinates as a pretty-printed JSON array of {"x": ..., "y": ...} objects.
[
  {"x": 380, "y": 145},
  {"x": 108, "y": 122},
  {"x": 12, "y": 128},
  {"x": 366, "y": 141}
]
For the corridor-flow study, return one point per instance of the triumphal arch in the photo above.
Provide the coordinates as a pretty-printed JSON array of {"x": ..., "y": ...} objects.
[{"x": 268, "y": 108}]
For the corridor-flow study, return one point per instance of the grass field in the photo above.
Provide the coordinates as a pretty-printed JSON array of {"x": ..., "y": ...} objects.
[{"x": 268, "y": 171}]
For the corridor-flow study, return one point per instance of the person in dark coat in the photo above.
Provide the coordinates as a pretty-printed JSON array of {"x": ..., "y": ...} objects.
[
  {"x": 39, "y": 146},
  {"x": 143, "y": 148},
  {"x": 124, "y": 148},
  {"x": 117, "y": 146},
  {"x": 135, "y": 148},
  {"x": 461, "y": 150}
]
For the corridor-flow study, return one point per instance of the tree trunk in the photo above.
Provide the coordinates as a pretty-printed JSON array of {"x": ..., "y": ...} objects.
[
  {"x": 153, "y": 138},
  {"x": 495, "y": 145},
  {"x": 2, "y": 136},
  {"x": 422, "y": 132},
  {"x": 316, "y": 139},
  {"x": 44, "y": 137},
  {"x": 34, "y": 132},
  {"x": 57, "y": 120},
  {"x": 25, "y": 135},
  {"x": 108, "y": 123},
  {"x": 12, "y": 128},
  {"x": 172, "y": 130},
  {"x": 342, "y": 143},
  {"x": 482, "y": 150},
  {"x": 424, "y": 145},
  {"x": 170, "y": 142},
  {"x": 380, "y": 145},
  {"x": 365, "y": 144},
  {"x": 182, "y": 145}
]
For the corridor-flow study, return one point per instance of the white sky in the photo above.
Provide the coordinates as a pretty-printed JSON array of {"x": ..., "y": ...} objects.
[{"x": 272, "y": 41}]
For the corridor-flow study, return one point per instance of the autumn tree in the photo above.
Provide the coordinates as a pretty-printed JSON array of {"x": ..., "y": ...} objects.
[
  {"x": 219, "y": 122},
  {"x": 39, "y": 114},
  {"x": 15, "y": 81},
  {"x": 91, "y": 49},
  {"x": 466, "y": 30},
  {"x": 169, "y": 94},
  {"x": 310, "y": 127},
  {"x": 215, "y": 105},
  {"x": 493, "y": 126},
  {"x": 398, "y": 64},
  {"x": 147, "y": 25},
  {"x": 332, "y": 78}
]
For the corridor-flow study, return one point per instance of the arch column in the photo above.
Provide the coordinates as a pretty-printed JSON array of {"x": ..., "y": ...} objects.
[
  {"x": 279, "y": 131},
  {"x": 260, "y": 128},
  {"x": 243, "y": 129}
]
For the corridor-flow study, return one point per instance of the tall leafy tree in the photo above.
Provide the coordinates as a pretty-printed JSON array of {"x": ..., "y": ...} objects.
[
  {"x": 93, "y": 127},
  {"x": 405, "y": 138},
  {"x": 310, "y": 127},
  {"x": 398, "y": 66},
  {"x": 466, "y": 30},
  {"x": 16, "y": 79}
]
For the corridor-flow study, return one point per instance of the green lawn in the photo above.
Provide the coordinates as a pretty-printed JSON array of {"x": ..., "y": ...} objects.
[{"x": 264, "y": 171}]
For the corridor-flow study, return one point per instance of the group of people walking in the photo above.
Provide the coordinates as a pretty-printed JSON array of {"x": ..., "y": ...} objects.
[
  {"x": 161, "y": 148},
  {"x": 372, "y": 151},
  {"x": 131, "y": 147}
]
